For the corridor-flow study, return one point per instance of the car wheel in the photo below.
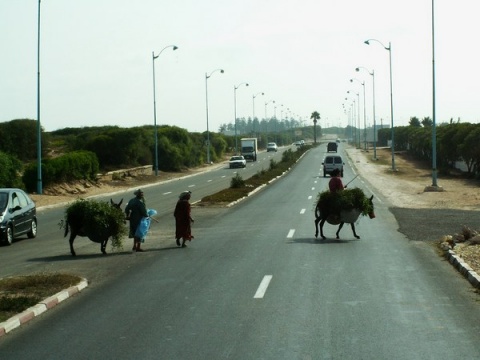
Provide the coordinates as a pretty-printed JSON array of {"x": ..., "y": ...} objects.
[
  {"x": 9, "y": 235},
  {"x": 33, "y": 229}
]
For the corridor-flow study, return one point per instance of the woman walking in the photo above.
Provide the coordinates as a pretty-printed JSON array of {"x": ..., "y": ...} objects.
[{"x": 183, "y": 219}]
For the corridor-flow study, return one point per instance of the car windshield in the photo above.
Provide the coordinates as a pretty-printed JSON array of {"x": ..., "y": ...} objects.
[
  {"x": 236, "y": 158},
  {"x": 3, "y": 201}
]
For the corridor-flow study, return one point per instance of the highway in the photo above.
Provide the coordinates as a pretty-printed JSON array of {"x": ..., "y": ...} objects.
[{"x": 256, "y": 284}]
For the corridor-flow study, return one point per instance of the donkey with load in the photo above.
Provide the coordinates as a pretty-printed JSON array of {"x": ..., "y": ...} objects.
[{"x": 342, "y": 207}]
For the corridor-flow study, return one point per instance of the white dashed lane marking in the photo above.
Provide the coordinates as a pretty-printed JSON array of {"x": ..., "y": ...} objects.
[
  {"x": 262, "y": 288},
  {"x": 290, "y": 233}
]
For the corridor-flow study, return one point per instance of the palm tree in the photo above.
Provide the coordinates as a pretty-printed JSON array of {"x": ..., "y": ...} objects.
[{"x": 315, "y": 116}]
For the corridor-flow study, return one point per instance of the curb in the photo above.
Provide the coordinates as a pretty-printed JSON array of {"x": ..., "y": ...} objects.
[
  {"x": 463, "y": 268},
  {"x": 48, "y": 303}
]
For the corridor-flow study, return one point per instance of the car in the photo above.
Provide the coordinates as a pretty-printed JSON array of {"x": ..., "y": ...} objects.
[
  {"x": 332, "y": 162},
  {"x": 18, "y": 215},
  {"x": 297, "y": 143},
  {"x": 332, "y": 146},
  {"x": 237, "y": 161},
  {"x": 271, "y": 146}
]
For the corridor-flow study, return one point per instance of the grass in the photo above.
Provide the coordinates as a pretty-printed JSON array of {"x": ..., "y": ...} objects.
[{"x": 19, "y": 293}]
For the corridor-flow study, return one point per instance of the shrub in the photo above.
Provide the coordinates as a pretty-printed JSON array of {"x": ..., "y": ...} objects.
[{"x": 237, "y": 182}]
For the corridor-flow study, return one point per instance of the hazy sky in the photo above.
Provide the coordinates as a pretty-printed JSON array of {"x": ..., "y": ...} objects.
[{"x": 96, "y": 60}]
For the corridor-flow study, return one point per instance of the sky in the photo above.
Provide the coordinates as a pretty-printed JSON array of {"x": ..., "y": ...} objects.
[{"x": 96, "y": 65}]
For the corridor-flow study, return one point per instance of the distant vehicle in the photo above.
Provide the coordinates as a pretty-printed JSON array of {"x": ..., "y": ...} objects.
[
  {"x": 249, "y": 148},
  {"x": 237, "y": 162},
  {"x": 332, "y": 162},
  {"x": 338, "y": 140},
  {"x": 298, "y": 143},
  {"x": 271, "y": 146},
  {"x": 332, "y": 146},
  {"x": 18, "y": 215}
]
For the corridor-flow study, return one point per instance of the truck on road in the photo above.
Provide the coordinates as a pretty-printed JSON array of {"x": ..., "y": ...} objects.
[{"x": 249, "y": 148}]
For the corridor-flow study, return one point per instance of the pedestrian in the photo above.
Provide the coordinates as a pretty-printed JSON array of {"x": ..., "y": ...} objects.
[
  {"x": 135, "y": 211},
  {"x": 335, "y": 184},
  {"x": 183, "y": 219}
]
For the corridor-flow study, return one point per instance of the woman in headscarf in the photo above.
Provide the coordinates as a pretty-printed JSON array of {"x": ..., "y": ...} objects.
[
  {"x": 135, "y": 211},
  {"x": 183, "y": 219}
]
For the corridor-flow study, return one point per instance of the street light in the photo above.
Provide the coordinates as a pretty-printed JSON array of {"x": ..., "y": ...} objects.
[
  {"x": 374, "y": 121},
  {"x": 389, "y": 48},
  {"x": 206, "y": 100},
  {"x": 434, "y": 126},
  {"x": 39, "y": 128},
  {"x": 266, "y": 121},
  {"x": 253, "y": 102},
  {"x": 235, "y": 110},
  {"x": 358, "y": 116},
  {"x": 364, "y": 114},
  {"x": 155, "y": 105}
]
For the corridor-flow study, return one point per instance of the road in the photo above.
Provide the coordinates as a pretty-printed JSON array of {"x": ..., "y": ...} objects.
[{"x": 256, "y": 284}]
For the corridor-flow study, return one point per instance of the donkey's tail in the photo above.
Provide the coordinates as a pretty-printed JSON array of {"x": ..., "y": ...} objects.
[{"x": 66, "y": 229}]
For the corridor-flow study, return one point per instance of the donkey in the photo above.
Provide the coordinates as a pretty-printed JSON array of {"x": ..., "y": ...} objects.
[
  {"x": 323, "y": 214},
  {"x": 76, "y": 225}
]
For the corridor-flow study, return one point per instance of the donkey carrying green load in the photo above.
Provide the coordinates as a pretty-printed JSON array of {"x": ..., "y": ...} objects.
[{"x": 342, "y": 207}]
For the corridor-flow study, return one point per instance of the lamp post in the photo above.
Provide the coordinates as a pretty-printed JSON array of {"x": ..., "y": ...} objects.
[
  {"x": 364, "y": 114},
  {"x": 434, "y": 127},
  {"x": 353, "y": 136},
  {"x": 253, "y": 114},
  {"x": 39, "y": 128},
  {"x": 206, "y": 101},
  {"x": 389, "y": 48},
  {"x": 266, "y": 121},
  {"x": 358, "y": 117},
  {"x": 374, "y": 121},
  {"x": 155, "y": 104},
  {"x": 235, "y": 110}
]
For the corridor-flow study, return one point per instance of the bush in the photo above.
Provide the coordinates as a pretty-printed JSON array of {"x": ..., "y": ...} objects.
[
  {"x": 237, "y": 182},
  {"x": 11, "y": 169}
]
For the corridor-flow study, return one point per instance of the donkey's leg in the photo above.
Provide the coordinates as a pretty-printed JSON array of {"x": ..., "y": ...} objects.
[
  {"x": 317, "y": 220},
  {"x": 339, "y": 228},
  {"x": 73, "y": 234},
  {"x": 353, "y": 229},
  {"x": 103, "y": 245},
  {"x": 321, "y": 228}
]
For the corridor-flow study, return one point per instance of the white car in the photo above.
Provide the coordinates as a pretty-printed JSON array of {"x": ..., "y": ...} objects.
[
  {"x": 237, "y": 161},
  {"x": 271, "y": 146}
]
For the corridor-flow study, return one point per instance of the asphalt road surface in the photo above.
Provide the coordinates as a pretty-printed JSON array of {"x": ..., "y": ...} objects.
[{"x": 256, "y": 284}]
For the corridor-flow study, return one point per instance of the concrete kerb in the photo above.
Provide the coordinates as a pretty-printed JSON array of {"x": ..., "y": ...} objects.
[{"x": 48, "y": 303}]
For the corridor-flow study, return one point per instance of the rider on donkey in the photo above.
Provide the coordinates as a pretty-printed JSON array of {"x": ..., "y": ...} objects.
[{"x": 335, "y": 184}]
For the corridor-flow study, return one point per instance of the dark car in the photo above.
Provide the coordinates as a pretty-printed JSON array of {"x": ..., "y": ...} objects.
[
  {"x": 18, "y": 215},
  {"x": 332, "y": 146}
]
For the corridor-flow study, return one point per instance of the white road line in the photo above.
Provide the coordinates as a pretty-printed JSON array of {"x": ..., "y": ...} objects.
[
  {"x": 290, "y": 233},
  {"x": 224, "y": 176},
  {"x": 302, "y": 211},
  {"x": 310, "y": 197},
  {"x": 166, "y": 193},
  {"x": 313, "y": 188},
  {"x": 263, "y": 287},
  {"x": 191, "y": 186},
  {"x": 209, "y": 180}
]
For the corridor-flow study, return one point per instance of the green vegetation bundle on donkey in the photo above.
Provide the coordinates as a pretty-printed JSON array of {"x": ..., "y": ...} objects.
[
  {"x": 98, "y": 220},
  {"x": 342, "y": 207}
]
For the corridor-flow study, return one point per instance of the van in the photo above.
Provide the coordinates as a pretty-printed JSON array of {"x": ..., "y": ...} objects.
[
  {"x": 332, "y": 146},
  {"x": 332, "y": 162}
]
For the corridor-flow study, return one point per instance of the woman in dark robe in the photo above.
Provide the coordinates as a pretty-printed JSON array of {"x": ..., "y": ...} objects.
[{"x": 183, "y": 219}]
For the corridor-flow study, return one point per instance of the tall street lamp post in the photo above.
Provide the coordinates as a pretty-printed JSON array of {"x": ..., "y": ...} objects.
[
  {"x": 374, "y": 121},
  {"x": 266, "y": 121},
  {"x": 434, "y": 127},
  {"x": 206, "y": 101},
  {"x": 364, "y": 114},
  {"x": 154, "y": 57},
  {"x": 389, "y": 49},
  {"x": 39, "y": 128},
  {"x": 253, "y": 104},
  {"x": 235, "y": 111},
  {"x": 358, "y": 117}
]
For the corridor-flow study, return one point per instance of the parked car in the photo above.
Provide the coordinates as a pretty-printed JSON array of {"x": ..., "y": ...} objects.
[
  {"x": 332, "y": 162},
  {"x": 271, "y": 146},
  {"x": 332, "y": 146},
  {"x": 237, "y": 161},
  {"x": 18, "y": 215}
]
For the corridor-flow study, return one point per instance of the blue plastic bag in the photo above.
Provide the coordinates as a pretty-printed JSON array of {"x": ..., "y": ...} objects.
[{"x": 144, "y": 226}]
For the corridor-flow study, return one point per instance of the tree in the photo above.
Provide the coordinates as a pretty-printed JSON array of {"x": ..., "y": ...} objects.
[
  {"x": 315, "y": 116},
  {"x": 427, "y": 122},
  {"x": 414, "y": 121}
]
